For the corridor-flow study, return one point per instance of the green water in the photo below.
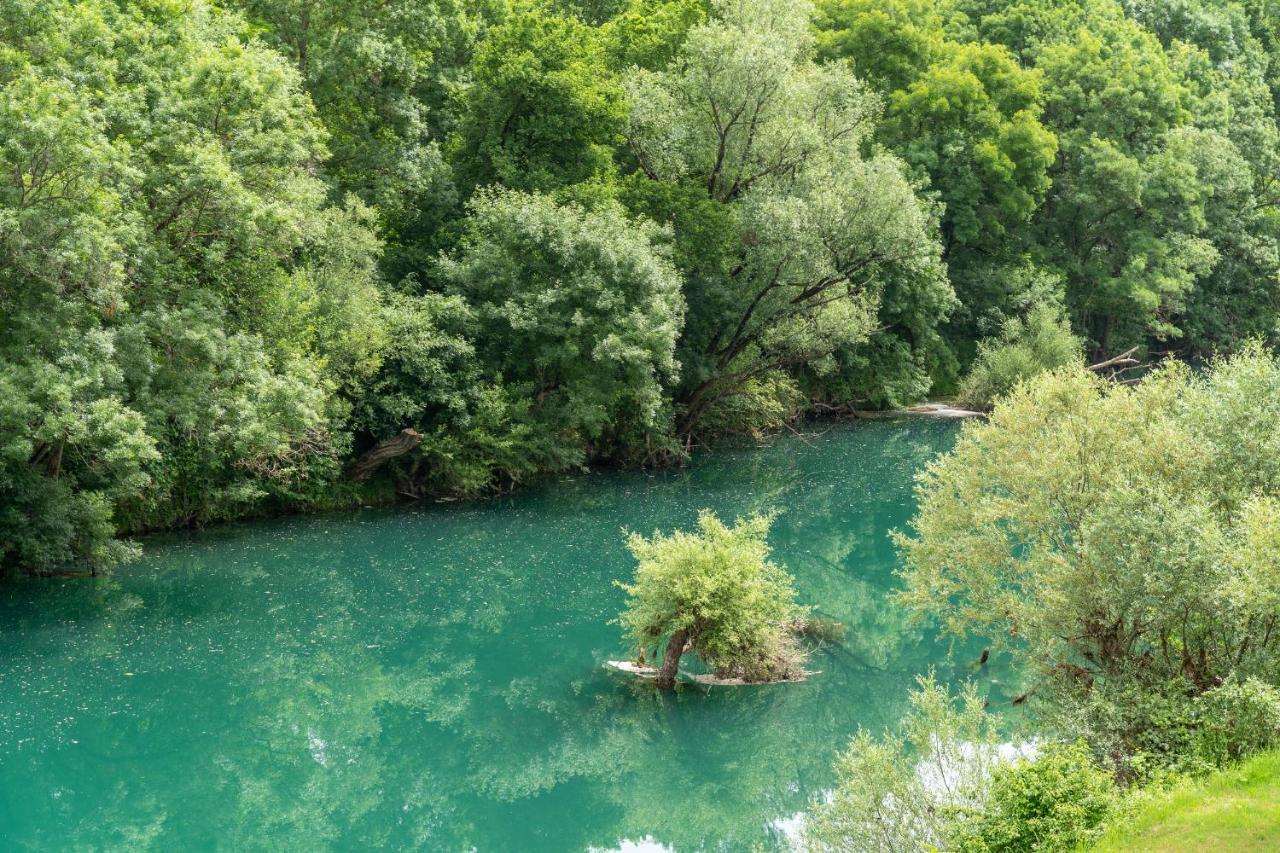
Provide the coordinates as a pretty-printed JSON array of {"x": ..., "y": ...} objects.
[{"x": 431, "y": 677}]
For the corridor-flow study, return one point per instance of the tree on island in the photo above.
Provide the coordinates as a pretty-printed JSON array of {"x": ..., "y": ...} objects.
[{"x": 717, "y": 593}]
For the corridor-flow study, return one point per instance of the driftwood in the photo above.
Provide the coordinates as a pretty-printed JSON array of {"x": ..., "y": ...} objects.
[
  {"x": 642, "y": 671},
  {"x": 1124, "y": 359},
  {"x": 383, "y": 452}
]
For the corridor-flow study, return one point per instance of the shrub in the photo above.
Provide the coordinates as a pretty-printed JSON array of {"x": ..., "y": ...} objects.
[
  {"x": 1023, "y": 349},
  {"x": 1237, "y": 720},
  {"x": 1055, "y": 801},
  {"x": 1121, "y": 537},
  {"x": 907, "y": 791}
]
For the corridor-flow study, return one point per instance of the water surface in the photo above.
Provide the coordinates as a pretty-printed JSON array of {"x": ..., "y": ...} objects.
[{"x": 431, "y": 677}]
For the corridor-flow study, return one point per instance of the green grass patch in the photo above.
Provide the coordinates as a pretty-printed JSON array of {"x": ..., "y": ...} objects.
[{"x": 1236, "y": 809}]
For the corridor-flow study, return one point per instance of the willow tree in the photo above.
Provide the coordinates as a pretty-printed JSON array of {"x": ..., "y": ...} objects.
[
  {"x": 715, "y": 592},
  {"x": 790, "y": 233},
  {"x": 1123, "y": 538}
]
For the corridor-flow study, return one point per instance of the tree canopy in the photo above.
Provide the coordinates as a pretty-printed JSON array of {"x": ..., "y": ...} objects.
[{"x": 246, "y": 242}]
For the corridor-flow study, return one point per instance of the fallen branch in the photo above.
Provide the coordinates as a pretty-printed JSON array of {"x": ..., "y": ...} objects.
[
  {"x": 382, "y": 453},
  {"x": 1124, "y": 359}
]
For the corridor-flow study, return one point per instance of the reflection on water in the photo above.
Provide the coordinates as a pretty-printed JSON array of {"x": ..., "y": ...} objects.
[{"x": 432, "y": 677}]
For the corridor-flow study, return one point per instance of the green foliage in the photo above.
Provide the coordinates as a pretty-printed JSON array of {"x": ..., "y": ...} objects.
[
  {"x": 720, "y": 586},
  {"x": 175, "y": 286},
  {"x": 946, "y": 782},
  {"x": 966, "y": 114},
  {"x": 1237, "y": 720},
  {"x": 889, "y": 44},
  {"x": 1124, "y": 219},
  {"x": 383, "y": 78},
  {"x": 972, "y": 122},
  {"x": 648, "y": 34},
  {"x": 578, "y": 307},
  {"x": 1058, "y": 800},
  {"x": 903, "y": 791},
  {"x": 380, "y": 78},
  {"x": 541, "y": 109},
  {"x": 966, "y": 117},
  {"x": 812, "y": 232},
  {"x": 69, "y": 449},
  {"x": 243, "y": 243},
  {"x": 476, "y": 436},
  {"x": 1110, "y": 532},
  {"x": 763, "y": 404},
  {"x": 1024, "y": 349}
]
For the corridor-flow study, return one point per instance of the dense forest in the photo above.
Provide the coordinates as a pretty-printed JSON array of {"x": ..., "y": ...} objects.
[{"x": 276, "y": 254}]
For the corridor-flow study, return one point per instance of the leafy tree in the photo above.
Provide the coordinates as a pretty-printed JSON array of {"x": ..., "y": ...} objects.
[
  {"x": 889, "y": 44},
  {"x": 542, "y": 109},
  {"x": 1025, "y": 26},
  {"x": 1109, "y": 532},
  {"x": 965, "y": 115},
  {"x": 971, "y": 121},
  {"x": 577, "y": 308},
  {"x": 475, "y": 436},
  {"x": 383, "y": 78},
  {"x": 1124, "y": 220},
  {"x": 648, "y": 34},
  {"x": 805, "y": 232},
  {"x": 380, "y": 78},
  {"x": 716, "y": 592},
  {"x": 1024, "y": 349},
  {"x": 900, "y": 791},
  {"x": 176, "y": 288},
  {"x": 1234, "y": 145}
]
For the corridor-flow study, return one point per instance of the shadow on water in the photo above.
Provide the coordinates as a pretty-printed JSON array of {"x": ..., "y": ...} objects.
[{"x": 431, "y": 677}]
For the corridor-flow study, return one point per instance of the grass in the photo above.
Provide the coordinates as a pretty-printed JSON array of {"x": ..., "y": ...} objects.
[{"x": 1233, "y": 810}]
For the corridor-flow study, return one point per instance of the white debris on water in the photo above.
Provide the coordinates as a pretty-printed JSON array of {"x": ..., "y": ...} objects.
[
  {"x": 644, "y": 845},
  {"x": 317, "y": 745}
]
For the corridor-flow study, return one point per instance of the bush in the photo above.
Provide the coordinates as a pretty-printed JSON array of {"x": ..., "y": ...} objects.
[
  {"x": 1024, "y": 348},
  {"x": 1237, "y": 720},
  {"x": 1055, "y": 801},
  {"x": 909, "y": 791}
]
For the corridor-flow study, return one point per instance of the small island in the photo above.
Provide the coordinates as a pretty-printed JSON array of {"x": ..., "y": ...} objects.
[{"x": 717, "y": 594}]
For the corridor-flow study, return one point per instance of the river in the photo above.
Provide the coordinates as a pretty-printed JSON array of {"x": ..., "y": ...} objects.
[{"x": 431, "y": 677}]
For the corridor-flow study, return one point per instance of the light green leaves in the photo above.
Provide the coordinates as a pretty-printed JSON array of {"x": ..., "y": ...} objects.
[
  {"x": 1107, "y": 533},
  {"x": 719, "y": 585}
]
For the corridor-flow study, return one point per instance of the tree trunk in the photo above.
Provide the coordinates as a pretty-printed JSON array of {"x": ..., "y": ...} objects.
[
  {"x": 384, "y": 451},
  {"x": 671, "y": 660}
]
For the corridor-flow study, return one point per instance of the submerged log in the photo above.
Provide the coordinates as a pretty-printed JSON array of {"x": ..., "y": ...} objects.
[
  {"x": 382, "y": 453},
  {"x": 640, "y": 670}
]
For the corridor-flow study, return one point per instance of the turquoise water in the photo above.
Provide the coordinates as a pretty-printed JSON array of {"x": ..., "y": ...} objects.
[{"x": 432, "y": 677}]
